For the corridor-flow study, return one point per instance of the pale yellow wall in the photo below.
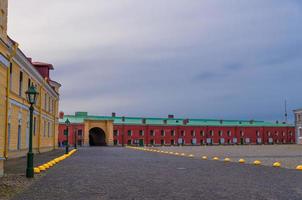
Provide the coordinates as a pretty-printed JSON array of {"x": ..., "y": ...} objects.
[{"x": 3, "y": 19}]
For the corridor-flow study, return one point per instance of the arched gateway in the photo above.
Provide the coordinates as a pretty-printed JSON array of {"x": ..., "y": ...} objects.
[{"x": 97, "y": 137}]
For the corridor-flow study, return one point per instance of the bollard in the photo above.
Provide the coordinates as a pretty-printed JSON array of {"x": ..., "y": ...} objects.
[
  {"x": 37, "y": 170},
  {"x": 191, "y": 156},
  {"x": 41, "y": 168},
  {"x": 215, "y": 158},
  {"x": 183, "y": 154},
  {"x": 277, "y": 164},
  {"x": 204, "y": 157},
  {"x": 227, "y": 160},
  {"x": 299, "y": 167},
  {"x": 257, "y": 162},
  {"x": 241, "y": 161}
]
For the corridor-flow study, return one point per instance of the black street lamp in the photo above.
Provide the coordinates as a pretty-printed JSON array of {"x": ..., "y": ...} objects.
[
  {"x": 67, "y": 122},
  {"x": 31, "y": 95},
  {"x": 75, "y": 138}
]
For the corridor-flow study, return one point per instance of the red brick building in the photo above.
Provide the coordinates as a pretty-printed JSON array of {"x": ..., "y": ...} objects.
[{"x": 172, "y": 131}]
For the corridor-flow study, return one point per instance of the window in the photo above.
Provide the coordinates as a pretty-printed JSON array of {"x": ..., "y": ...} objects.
[
  {"x": 19, "y": 137},
  {"x": 241, "y": 133},
  {"x": 172, "y": 132},
  {"x": 44, "y": 128},
  {"x": 80, "y": 132},
  {"x": 115, "y": 133},
  {"x": 182, "y": 133},
  {"x": 257, "y": 133},
  {"x": 48, "y": 129},
  {"x": 129, "y": 142},
  {"x": 172, "y": 142},
  {"x": 45, "y": 101},
  {"x": 141, "y": 133},
  {"x": 277, "y": 133},
  {"x": 152, "y": 142},
  {"x": 162, "y": 142},
  {"x": 20, "y": 83},
  {"x": 202, "y": 133},
  {"x": 129, "y": 133},
  {"x": 290, "y": 133},
  {"x": 229, "y": 133},
  {"x": 49, "y": 104},
  {"x": 220, "y": 133},
  {"x": 211, "y": 133},
  {"x": 152, "y": 133},
  {"x": 115, "y": 142},
  {"x": 283, "y": 133},
  {"x": 162, "y": 133},
  {"x": 268, "y": 133},
  {"x": 28, "y": 83},
  {"x": 11, "y": 75},
  {"x": 193, "y": 133}
]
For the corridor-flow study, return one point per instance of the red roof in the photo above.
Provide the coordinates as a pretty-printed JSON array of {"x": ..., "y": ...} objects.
[{"x": 41, "y": 64}]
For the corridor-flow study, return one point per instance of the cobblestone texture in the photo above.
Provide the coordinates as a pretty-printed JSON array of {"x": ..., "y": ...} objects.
[
  {"x": 289, "y": 155},
  {"x": 119, "y": 173}
]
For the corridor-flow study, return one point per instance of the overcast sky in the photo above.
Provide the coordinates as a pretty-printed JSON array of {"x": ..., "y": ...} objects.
[{"x": 226, "y": 59}]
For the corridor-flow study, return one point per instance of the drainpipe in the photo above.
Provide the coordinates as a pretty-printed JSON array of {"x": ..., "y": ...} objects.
[{"x": 12, "y": 54}]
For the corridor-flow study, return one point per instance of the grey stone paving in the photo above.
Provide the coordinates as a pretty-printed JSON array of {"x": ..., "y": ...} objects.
[{"x": 118, "y": 173}]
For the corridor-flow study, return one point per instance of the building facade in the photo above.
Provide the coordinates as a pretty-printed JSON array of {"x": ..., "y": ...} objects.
[
  {"x": 298, "y": 123},
  {"x": 17, "y": 73},
  {"x": 102, "y": 130}
]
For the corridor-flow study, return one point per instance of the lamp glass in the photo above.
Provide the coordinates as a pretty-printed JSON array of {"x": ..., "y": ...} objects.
[{"x": 32, "y": 95}]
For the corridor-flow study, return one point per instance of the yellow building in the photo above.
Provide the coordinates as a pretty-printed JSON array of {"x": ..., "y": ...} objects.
[{"x": 17, "y": 73}]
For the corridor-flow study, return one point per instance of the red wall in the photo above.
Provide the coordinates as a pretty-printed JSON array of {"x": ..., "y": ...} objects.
[
  {"x": 241, "y": 133},
  {"x": 71, "y": 136}
]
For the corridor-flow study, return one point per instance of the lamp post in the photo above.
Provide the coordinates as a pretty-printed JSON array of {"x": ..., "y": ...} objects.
[
  {"x": 67, "y": 122},
  {"x": 75, "y": 138},
  {"x": 31, "y": 95}
]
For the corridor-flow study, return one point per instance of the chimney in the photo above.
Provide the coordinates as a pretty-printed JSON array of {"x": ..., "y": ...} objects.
[
  {"x": 185, "y": 121},
  {"x": 277, "y": 122},
  {"x": 123, "y": 119},
  {"x": 171, "y": 116},
  {"x": 113, "y": 114},
  {"x": 165, "y": 121},
  {"x": 221, "y": 121},
  {"x": 144, "y": 121},
  {"x": 61, "y": 115},
  {"x": 251, "y": 121}
]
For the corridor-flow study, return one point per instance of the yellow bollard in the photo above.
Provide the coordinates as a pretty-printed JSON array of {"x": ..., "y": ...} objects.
[
  {"x": 177, "y": 154},
  {"x": 204, "y": 158},
  {"x": 36, "y": 170},
  {"x": 183, "y": 154},
  {"x": 171, "y": 152},
  {"x": 53, "y": 162},
  {"x": 50, "y": 164},
  {"x": 241, "y": 161},
  {"x": 277, "y": 164},
  {"x": 299, "y": 167},
  {"x": 257, "y": 162},
  {"x": 41, "y": 168},
  {"x": 191, "y": 156},
  {"x": 215, "y": 158},
  {"x": 227, "y": 160},
  {"x": 46, "y": 166}
]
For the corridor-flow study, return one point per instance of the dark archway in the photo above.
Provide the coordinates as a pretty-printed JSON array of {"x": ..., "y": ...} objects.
[{"x": 97, "y": 137}]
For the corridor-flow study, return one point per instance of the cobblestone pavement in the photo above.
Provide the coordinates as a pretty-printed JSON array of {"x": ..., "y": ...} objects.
[
  {"x": 14, "y": 179},
  {"x": 120, "y": 173},
  {"x": 289, "y": 155}
]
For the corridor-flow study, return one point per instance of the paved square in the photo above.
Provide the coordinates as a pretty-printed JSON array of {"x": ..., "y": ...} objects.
[
  {"x": 289, "y": 155},
  {"x": 121, "y": 173}
]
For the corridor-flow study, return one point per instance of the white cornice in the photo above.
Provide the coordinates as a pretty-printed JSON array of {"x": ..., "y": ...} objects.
[{"x": 24, "y": 63}]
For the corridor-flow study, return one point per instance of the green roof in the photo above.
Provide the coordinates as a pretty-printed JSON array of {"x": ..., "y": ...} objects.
[{"x": 79, "y": 117}]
